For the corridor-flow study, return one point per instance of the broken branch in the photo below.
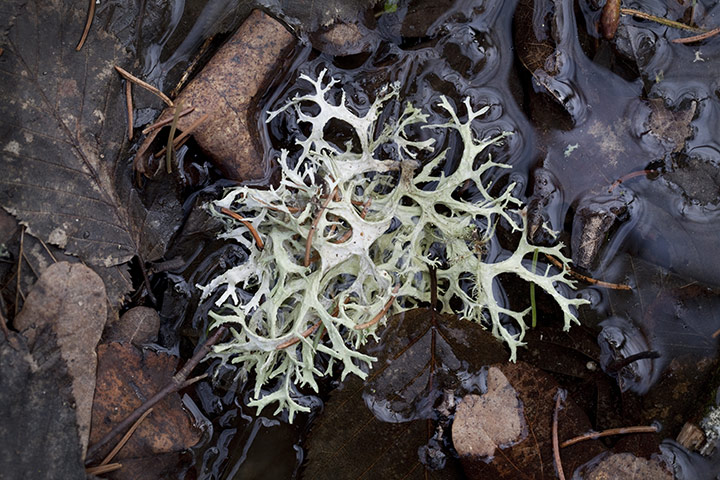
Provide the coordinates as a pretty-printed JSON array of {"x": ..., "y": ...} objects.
[{"x": 607, "y": 433}]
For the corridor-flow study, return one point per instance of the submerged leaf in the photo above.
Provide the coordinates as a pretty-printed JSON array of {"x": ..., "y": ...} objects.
[{"x": 373, "y": 429}]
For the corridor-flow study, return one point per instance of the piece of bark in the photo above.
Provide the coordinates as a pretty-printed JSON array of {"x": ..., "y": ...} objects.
[
  {"x": 139, "y": 325},
  {"x": 227, "y": 89},
  {"x": 70, "y": 298}
]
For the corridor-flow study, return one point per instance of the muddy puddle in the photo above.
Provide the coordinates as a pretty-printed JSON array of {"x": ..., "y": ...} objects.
[{"x": 614, "y": 147}]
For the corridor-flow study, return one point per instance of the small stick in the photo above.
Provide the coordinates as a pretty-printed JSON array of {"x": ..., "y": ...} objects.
[
  {"x": 556, "y": 449},
  {"x": 660, "y": 20},
  {"x": 99, "y": 470},
  {"x": 125, "y": 438},
  {"x": 628, "y": 177},
  {"x": 48, "y": 250},
  {"x": 4, "y": 327},
  {"x": 177, "y": 382},
  {"x": 162, "y": 123},
  {"x": 249, "y": 226},
  {"x": 305, "y": 334},
  {"x": 182, "y": 138},
  {"x": 380, "y": 315},
  {"x": 19, "y": 268},
  {"x": 617, "y": 365},
  {"x": 698, "y": 38},
  {"x": 607, "y": 433},
  {"x": 585, "y": 278},
  {"x": 129, "y": 103},
  {"x": 88, "y": 23},
  {"x": 716, "y": 334},
  {"x": 128, "y": 76},
  {"x": 311, "y": 233},
  {"x": 171, "y": 138}
]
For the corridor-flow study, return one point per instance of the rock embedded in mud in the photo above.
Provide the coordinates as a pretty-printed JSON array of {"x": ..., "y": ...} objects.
[
  {"x": 70, "y": 298},
  {"x": 227, "y": 90}
]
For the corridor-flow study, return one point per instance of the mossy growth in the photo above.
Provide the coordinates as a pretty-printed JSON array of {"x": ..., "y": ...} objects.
[{"x": 376, "y": 218}]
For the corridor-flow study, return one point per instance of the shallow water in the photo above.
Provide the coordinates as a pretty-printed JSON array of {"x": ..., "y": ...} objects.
[{"x": 655, "y": 231}]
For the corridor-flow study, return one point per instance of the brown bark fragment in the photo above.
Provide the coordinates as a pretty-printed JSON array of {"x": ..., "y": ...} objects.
[{"x": 228, "y": 89}]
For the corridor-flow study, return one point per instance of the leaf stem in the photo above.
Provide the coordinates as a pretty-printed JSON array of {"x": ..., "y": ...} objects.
[{"x": 660, "y": 20}]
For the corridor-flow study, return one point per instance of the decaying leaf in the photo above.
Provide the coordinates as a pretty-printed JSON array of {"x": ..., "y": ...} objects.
[
  {"x": 138, "y": 325},
  {"x": 70, "y": 300},
  {"x": 375, "y": 429},
  {"x": 126, "y": 377},
  {"x": 38, "y": 432},
  {"x": 63, "y": 119},
  {"x": 227, "y": 91},
  {"x": 513, "y": 425}
]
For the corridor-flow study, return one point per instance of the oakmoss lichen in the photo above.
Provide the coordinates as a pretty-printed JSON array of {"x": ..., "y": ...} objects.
[{"x": 376, "y": 218}]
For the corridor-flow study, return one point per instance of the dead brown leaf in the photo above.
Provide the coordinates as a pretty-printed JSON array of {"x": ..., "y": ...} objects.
[
  {"x": 126, "y": 378},
  {"x": 70, "y": 299}
]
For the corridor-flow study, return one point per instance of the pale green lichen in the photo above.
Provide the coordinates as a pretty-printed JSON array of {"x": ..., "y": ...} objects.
[{"x": 375, "y": 219}]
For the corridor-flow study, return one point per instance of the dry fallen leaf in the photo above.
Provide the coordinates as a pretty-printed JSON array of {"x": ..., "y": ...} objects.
[
  {"x": 70, "y": 299},
  {"x": 126, "y": 377},
  {"x": 38, "y": 432}
]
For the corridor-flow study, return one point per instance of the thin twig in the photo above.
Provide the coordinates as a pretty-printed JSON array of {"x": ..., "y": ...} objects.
[
  {"x": 556, "y": 449},
  {"x": 305, "y": 334},
  {"x": 585, "y": 278},
  {"x": 88, "y": 24},
  {"x": 660, "y": 20},
  {"x": 382, "y": 312},
  {"x": 627, "y": 177},
  {"x": 48, "y": 250},
  {"x": 253, "y": 232},
  {"x": 18, "y": 293},
  {"x": 129, "y": 76},
  {"x": 169, "y": 150},
  {"x": 129, "y": 103},
  {"x": 607, "y": 433},
  {"x": 182, "y": 138},
  {"x": 146, "y": 279},
  {"x": 4, "y": 327},
  {"x": 178, "y": 382},
  {"x": 125, "y": 438},
  {"x": 162, "y": 123},
  {"x": 311, "y": 233},
  {"x": 716, "y": 334},
  {"x": 698, "y": 38}
]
